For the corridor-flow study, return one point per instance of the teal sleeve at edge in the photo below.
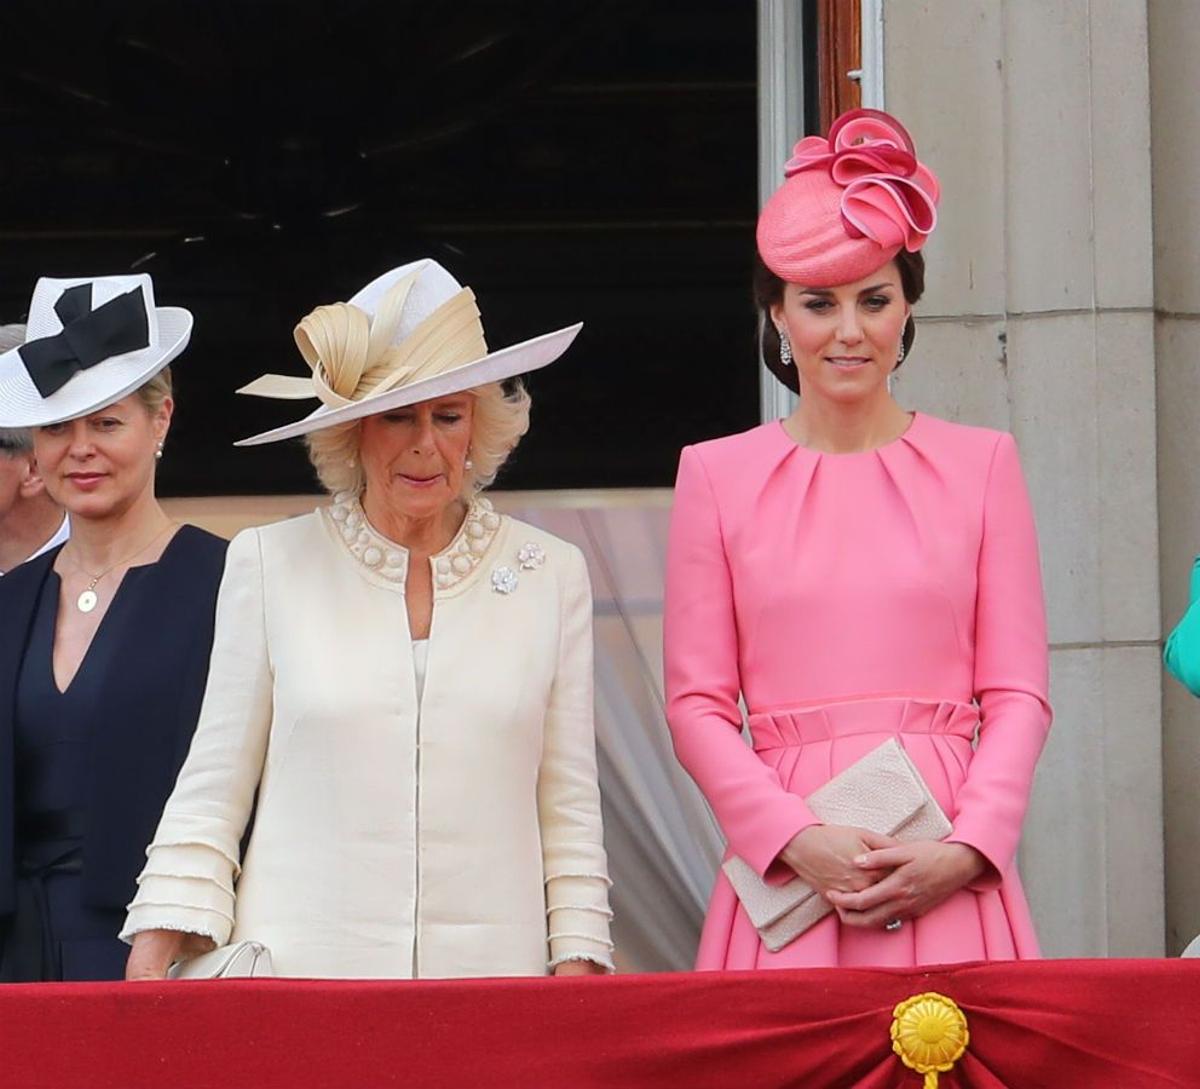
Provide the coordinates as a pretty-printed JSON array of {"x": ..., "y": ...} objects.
[{"x": 1181, "y": 655}]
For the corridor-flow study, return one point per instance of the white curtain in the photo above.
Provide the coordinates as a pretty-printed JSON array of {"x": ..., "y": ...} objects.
[{"x": 663, "y": 844}]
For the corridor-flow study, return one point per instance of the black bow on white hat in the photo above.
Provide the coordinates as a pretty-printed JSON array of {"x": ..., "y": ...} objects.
[{"x": 89, "y": 342}]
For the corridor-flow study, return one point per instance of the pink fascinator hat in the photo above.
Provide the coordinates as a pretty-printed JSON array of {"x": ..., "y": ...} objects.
[{"x": 850, "y": 203}]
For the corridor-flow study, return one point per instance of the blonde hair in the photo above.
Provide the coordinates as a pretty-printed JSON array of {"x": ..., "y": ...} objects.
[
  {"x": 498, "y": 421},
  {"x": 155, "y": 392}
]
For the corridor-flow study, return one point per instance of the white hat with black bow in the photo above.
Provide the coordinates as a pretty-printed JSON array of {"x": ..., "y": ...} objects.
[{"x": 89, "y": 342}]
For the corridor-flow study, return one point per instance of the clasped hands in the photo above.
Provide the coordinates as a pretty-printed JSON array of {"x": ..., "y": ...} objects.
[{"x": 871, "y": 879}]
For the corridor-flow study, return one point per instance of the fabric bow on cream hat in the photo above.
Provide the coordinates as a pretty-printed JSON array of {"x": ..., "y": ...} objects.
[{"x": 410, "y": 335}]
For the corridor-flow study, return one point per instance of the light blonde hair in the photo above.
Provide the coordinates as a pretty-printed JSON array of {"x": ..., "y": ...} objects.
[
  {"x": 155, "y": 392},
  {"x": 498, "y": 421}
]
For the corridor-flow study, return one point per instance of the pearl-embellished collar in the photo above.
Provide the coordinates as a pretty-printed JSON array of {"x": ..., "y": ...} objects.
[{"x": 389, "y": 561}]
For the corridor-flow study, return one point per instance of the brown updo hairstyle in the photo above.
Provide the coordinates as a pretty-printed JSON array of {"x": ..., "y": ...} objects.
[{"x": 768, "y": 290}]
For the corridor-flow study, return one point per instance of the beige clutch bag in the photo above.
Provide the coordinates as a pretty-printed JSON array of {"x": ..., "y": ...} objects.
[
  {"x": 241, "y": 960},
  {"x": 882, "y": 792}
]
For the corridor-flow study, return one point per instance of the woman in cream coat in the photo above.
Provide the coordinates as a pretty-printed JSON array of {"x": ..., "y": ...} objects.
[{"x": 400, "y": 689}]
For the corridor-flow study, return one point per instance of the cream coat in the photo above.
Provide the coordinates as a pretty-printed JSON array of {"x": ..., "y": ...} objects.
[{"x": 393, "y": 837}]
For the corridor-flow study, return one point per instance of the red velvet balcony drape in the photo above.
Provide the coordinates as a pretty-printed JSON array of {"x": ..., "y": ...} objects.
[{"x": 1034, "y": 1025}]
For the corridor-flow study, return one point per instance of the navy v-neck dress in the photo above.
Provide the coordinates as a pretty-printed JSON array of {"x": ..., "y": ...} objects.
[{"x": 118, "y": 731}]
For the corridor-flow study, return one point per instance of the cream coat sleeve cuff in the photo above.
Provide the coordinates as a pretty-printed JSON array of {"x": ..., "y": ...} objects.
[
  {"x": 192, "y": 878},
  {"x": 573, "y": 856},
  {"x": 186, "y": 920},
  {"x": 578, "y": 918}
]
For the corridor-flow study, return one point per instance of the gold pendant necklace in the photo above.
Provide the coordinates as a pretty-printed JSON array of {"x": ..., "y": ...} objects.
[{"x": 88, "y": 598}]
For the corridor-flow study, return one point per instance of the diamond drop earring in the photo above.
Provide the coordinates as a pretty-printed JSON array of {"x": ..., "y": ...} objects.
[{"x": 785, "y": 349}]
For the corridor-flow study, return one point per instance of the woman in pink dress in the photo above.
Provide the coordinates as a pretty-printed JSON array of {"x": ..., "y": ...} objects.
[{"x": 857, "y": 572}]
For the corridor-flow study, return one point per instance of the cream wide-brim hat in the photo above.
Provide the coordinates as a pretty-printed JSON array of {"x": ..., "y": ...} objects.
[
  {"x": 95, "y": 383},
  {"x": 411, "y": 335}
]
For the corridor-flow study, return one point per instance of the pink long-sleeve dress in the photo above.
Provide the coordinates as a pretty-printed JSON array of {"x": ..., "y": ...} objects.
[{"x": 849, "y": 598}]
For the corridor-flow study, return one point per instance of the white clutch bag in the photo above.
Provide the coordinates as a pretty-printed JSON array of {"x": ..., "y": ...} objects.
[
  {"x": 241, "y": 960},
  {"x": 882, "y": 792}
]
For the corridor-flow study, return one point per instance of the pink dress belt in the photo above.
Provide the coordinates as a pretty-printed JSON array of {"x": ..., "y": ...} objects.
[{"x": 889, "y": 715}]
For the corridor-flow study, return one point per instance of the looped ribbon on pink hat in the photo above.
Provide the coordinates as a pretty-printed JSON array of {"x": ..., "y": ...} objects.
[{"x": 887, "y": 195}]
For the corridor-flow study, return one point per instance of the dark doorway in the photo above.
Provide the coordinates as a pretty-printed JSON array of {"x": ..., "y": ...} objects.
[{"x": 570, "y": 161}]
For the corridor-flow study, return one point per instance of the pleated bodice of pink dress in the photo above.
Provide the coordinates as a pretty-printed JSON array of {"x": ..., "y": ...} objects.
[{"x": 846, "y": 599}]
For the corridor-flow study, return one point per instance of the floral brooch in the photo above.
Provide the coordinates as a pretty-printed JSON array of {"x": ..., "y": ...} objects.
[{"x": 530, "y": 557}]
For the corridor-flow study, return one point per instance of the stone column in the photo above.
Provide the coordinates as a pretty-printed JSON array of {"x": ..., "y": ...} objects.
[
  {"x": 1038, "y": 318},
  {"x": 1175, "y": 126},
  {"x": 780, "y": 123}
]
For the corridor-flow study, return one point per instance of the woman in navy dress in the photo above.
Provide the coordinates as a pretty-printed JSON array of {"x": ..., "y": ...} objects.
[{"x": 105, "y": 641}]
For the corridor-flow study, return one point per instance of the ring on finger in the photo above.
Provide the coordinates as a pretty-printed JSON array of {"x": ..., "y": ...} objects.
[{"x": 893, "y": 924}]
